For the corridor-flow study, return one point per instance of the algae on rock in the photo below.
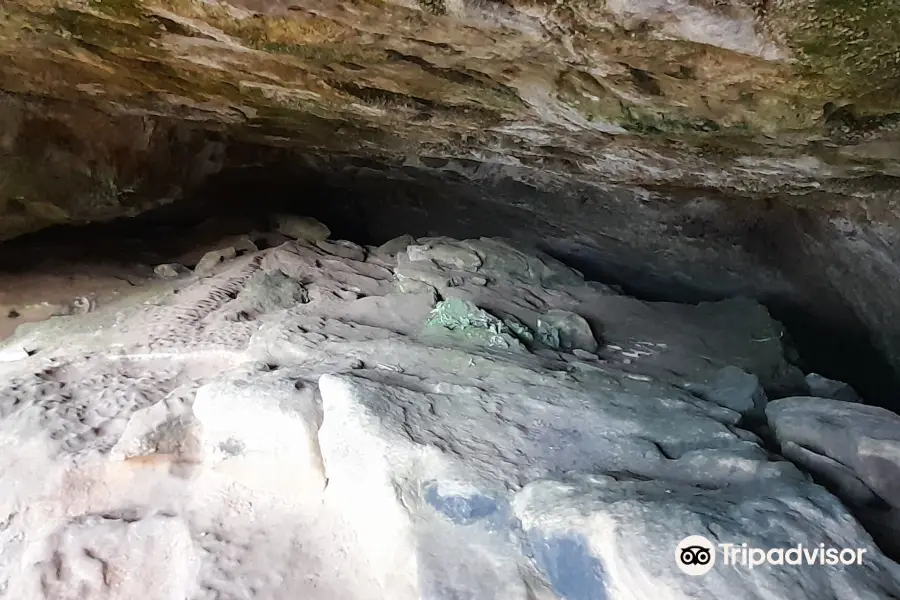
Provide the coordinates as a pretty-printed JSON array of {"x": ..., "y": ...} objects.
[{"x": 462, "y": 319}]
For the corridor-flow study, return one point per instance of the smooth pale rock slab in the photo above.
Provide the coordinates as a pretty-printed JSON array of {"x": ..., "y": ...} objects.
[
  {"x": 596, "y": 538},
  {"x": 263, "y": 432},
  {"x": 535, "y": 428},
  {"x": 213, "y": 259},
  {"x": 864, "y": 439},
  {"x": 430, "y": 538},
  {"x": 822, "y": 387},
  {"x": 13, "y": 353},
  {"x": 301, "y": 228}
]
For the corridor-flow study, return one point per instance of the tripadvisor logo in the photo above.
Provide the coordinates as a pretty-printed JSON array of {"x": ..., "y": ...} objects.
[{"x": 696, "y": 555}]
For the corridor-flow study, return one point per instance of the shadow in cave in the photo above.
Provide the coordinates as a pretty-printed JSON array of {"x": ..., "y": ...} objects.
[
  {"x": 841, "y": 351},
  {"x": 371, "y": 210}
]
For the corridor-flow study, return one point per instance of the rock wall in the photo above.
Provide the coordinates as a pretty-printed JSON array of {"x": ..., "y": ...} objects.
[{"x": 739, "y": 146}]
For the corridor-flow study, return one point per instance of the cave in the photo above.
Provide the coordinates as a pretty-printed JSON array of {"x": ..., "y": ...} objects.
[
  {"x": 369, "y": 203},
  {"x": 449, "y": 299}
]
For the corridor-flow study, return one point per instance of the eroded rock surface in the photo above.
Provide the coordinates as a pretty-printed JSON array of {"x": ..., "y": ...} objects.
[
  {"x": 863, "y": 440},
  {"x": 300, "y": 422}
]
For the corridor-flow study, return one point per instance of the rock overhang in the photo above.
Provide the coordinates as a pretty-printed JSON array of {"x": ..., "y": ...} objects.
[{"x": 711, "y": 148}]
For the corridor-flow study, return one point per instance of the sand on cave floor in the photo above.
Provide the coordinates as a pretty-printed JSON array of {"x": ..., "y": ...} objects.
[
  {"x": 36, "y": 296},
  {"x": 41, "y": 276}
]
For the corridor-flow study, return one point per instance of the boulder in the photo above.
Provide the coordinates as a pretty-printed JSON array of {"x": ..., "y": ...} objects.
[
  {"x": 171, "y": 270},
  {"x": 213, "y": 259},
  {"x": 343, "y": 249},
  {"x": 301, "y": 228},
  {"x": 565, "y": 330},
  {"x": 863, "y": 440},
  {"x": 602, "y": 539},
  {"x": 736, "y": 389},
  {"x": 447, "y": 255},
  {"x": 822, "y": 387},
  {"x": 396, "y": 245}
]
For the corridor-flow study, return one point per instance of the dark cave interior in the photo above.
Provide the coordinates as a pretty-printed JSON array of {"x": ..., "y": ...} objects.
[{"x": 369, "y": 206}]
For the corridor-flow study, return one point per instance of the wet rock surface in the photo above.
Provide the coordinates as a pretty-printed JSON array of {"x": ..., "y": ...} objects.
[{"x": 300, "y": 422}]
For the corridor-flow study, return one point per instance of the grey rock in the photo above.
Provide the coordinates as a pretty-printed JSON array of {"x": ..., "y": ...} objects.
[
  {"x": 301, "y": 228},
  {"x": 598, "y": 538},
  {"x": 213, "y": 259},
  {"x": 565, "y": 330},
  {"x": 414, "y": 286},
  {"x": 567, "y": 562},
  {"x": 343, "y": 249},
  {"x": 170, "y": 270},
  {"x": 865, "y": 440},
  {"x": 832, "y": 474},
  {"x": 165, "y": 428},
  {"x": 823, "y": 387},
  {"x": 448, "y": 255},
  {"x": 335, "y": 428},
  {"x": 736, "y": 389},
  {"x": 268, "y": 292},
  {"x": 397, "y": 245}
]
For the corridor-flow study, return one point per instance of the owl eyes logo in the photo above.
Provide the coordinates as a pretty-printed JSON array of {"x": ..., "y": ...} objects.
[{"x": 695, "y": 555}]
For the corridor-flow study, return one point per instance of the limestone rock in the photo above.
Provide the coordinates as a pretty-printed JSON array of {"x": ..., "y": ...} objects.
[
  {"x": 736, "y": 389},
  {"x": 331, "y": 443},
  {"x": 565, "y": 330},
  {"x": 111, "y": 556},
  {"x": 170, "y": 270},
  {"x": 841, "y": 480},
  {"x": 213, "y": 259},
  {"x": 822, "y": 387},
  {"x": 397, "y": 245},
  {"x": 451, "y": 256},
  {"x": 301, "y": 228},
  {"x": 13, "y": 353},
  {"x": 343, "y": 249},
  {"x": 243, "y": 244},
  {"x": 263, "y": 433},
  {"x": 270, "y": 291},
  {"x": 865, "y": 440},
  {"x": 601, "y": 538},
  {"x": 165, "y": 428}
]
